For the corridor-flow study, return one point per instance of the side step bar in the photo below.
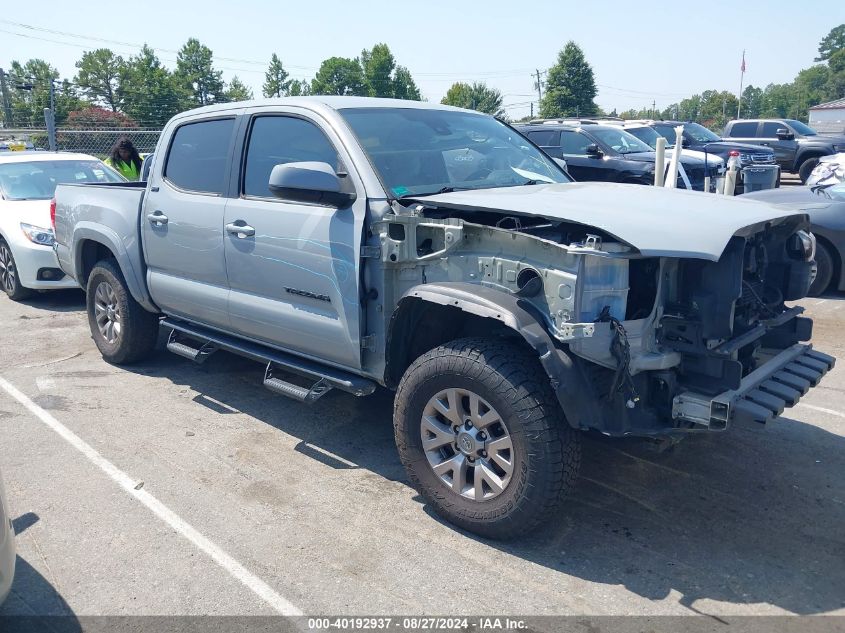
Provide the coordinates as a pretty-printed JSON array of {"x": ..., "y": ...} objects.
[
  {"x": 208, "y": 341},
  {"x": 179, "y": 346}
]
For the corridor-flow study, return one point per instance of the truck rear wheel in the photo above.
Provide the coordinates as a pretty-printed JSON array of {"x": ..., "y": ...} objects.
[
  {"x": 482, "y": 437},
  {"x": 123, "y": 331}
]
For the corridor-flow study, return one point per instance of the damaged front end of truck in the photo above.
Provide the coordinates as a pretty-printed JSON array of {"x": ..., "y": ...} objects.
[{"x": 648, "y": 321}]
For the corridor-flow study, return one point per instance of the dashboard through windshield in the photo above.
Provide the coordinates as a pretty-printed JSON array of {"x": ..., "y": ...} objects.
[{"x": 418, "y": 151}]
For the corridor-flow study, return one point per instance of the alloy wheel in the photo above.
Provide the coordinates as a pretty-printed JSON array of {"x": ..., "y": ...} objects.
[
  {"x": 107, "y": 312},
  {"x": 467, "y": 444},
  {"x": 8, "y": 273}
]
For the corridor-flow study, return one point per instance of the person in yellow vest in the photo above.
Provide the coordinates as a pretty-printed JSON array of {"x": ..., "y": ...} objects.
[{"x": 124, "y": 159}]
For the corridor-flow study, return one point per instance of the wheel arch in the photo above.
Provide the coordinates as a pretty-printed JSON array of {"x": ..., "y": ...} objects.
[
  {"x": 461, "y": 309},
  {"x": 90, "y": 245}
]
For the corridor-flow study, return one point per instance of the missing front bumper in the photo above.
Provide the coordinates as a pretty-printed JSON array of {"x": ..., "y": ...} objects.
[{"x": 762, "y": 395}]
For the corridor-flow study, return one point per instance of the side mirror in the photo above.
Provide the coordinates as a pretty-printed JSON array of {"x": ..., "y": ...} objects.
[
  {"x": 312, "y": 182},
  {"x": 593, "y": 150},
  {"x": 784, "y": 135},
  {"x": 685, "y": 143}
]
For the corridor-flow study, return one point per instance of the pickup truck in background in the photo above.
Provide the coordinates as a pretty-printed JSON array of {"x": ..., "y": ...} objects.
[
  {"x": 797, "y": 146},
  {"x": 348, "y": 242}
]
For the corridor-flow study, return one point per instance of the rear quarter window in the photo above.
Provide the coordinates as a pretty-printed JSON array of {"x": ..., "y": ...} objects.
[{"x": 199, "y": 155}]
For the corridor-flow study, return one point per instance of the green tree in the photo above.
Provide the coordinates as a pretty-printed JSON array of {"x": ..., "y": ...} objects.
[
  {"x": 475, "y": 96},
  {"x": 339, "y": 76},
  {"x": 150, "y": 93},
  {"x": 404, "y": 86},
  {"x": 237, "y": 91},
  {"x": 836, "y": 82},
  {"x": 195, "y": 70},
  {"x": 570, "y": 85},
  {"x": 832, "y": 42},
  {"x": 299, "y": 88},
  {"x": 29, "y": 93},
  {"x": 276, "y": 82},
  {"x": 99, "y": 77},
  {"x": 752, "y": 102},
  {"x": 378, "y": 64}
]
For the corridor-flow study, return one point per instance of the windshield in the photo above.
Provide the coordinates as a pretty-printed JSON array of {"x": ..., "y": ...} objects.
[
  {"x": 618, "y": 139},
  {"x": 804, "y": 130},
  {"x": 645, "y": 134},
  {"x": 699, "y": 133},
  {"x": 418, "y": 151},
  {"x": 37, "y": 180}
]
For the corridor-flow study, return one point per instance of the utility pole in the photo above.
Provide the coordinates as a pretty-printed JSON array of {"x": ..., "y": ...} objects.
[
  {"x": 539, "y": 86},
  {"x": 532, "y": 109},
  {"x": 653, "y": 108},
  {"x": 52, "y": 95},
  {"x": 7, "y": 105}
]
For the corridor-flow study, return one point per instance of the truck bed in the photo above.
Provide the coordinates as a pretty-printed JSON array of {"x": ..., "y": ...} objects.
[{"x": 106, "y": 214}]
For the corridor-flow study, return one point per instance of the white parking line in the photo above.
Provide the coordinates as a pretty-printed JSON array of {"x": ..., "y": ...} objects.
[
  {"x": 821, "y": 409},
  {"x": 233, "y": 567}
]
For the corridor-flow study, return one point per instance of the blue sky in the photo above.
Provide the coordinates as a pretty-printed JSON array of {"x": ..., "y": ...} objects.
[{"x": 631, "y": 50}]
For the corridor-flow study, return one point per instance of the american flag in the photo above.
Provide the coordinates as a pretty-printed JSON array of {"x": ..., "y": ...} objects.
[{"x": 742, "y": 67}]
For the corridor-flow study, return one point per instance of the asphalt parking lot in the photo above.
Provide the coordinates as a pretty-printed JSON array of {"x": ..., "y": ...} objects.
[{"x": 265, "y": 504}]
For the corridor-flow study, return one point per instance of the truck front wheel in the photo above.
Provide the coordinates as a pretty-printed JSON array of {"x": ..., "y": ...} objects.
[
  {"x": 482, "y": 437},
  {"x": 123, "y": 331}
]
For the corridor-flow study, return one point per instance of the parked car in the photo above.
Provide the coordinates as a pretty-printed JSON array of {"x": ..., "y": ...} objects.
[
  {"x": 15, "y": 145},
  {"x": 826, "y": 208},
  {"x": 7, "y": 546},
  {"x": 607, "y": 153},
  {"x": 353, "y": 242},
  {"x": 797, "y": 146},
  {"x": 27, "y": 183},
  {"x": 698, "y": 138},
  {"x": 830, "y": 170}
]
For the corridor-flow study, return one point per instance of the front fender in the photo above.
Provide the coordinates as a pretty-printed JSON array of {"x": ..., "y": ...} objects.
[
  {"x": 570, "y": 385},
  {"x": 132, "y": 271}
]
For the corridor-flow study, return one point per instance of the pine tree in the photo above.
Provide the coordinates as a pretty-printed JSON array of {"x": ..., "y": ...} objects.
[
  {"x": 570, "y": 85},
  {"x": 276, "y": 82}
]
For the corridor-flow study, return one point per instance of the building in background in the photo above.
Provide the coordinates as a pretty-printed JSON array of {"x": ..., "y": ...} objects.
[{"x": 828, "y": 118}]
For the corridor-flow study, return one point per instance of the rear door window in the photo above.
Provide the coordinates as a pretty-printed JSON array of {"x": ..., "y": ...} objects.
[
  {"x": 743, "y": 129},
  {"x": 544, "y": 138},
  {"x": 199, "y": 156}
]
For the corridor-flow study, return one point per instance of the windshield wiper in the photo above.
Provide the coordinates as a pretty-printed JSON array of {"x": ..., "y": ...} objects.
[{"x": 432, "y": 193}]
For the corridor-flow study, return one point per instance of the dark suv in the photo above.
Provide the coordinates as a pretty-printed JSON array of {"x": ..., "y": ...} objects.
[
  {"x": 797, "y": 147},
  {"x": 605, "y": 153},
  {"x": 698, "y": 138}
]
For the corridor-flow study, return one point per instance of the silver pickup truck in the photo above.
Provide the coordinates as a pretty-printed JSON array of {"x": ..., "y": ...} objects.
[{"x": 347, "y": 243}]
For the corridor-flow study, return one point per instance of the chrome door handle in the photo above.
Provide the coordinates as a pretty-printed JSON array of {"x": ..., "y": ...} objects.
[
  {"x": 240, "y": 230},
  {"x": 157, "y": 218}
]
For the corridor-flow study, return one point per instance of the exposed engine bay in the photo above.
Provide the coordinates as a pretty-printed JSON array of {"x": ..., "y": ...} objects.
[{"x": 657, "y": 339}]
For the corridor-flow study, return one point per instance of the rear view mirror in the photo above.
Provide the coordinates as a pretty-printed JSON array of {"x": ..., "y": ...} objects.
[
  {"x": 783, "y": 134},
  {"x": 311, "y": 182},
  {"x": 593, "y": 150}
]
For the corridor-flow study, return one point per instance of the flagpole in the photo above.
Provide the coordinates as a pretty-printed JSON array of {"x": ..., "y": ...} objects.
[{"x": 741, "y": 77}]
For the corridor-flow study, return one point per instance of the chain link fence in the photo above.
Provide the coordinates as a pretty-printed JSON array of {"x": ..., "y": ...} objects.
[{"x": 97, "y": 142}]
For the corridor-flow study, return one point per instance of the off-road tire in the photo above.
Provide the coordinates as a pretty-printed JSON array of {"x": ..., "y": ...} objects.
[
  {"x": 824, "y": 271},
  {"x": 139, "y": 328},
  {"x": 15, "y": 291},
  {"x": 806, "y": 167},
  {"x": 547, "y": 451}
]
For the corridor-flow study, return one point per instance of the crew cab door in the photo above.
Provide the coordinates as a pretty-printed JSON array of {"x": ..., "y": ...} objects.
[
  {"x": 293, "y": 266},
  {"x": 182, "y": 222}
]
